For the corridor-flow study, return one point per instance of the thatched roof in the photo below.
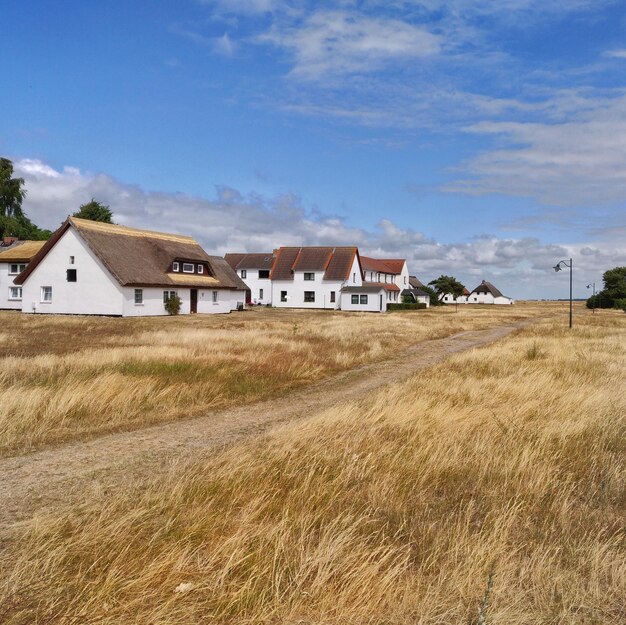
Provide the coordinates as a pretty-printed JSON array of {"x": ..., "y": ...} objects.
[
  {"x": 20, "y": 251},
  {"x": 415, "y": 282},
  {"x": 143, "y": 257},
  {"x": 487, "y": 287}
]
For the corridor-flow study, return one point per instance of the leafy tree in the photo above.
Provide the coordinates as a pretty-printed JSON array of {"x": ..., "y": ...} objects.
[
  {"x": 13, "y": 221},
  {"x": 434, "y": 299},
  {"x": 614, "y": 291},
  {"x": 95, "y": 211},
  {"x": 447, "y": 284}
]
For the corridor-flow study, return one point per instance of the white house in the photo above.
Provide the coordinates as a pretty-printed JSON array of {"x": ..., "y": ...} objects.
[
  {"x": 448, "y": 298},
  {"x": 486, "y": 293},
  {"x": 386, "y": 271},
  {"x": 254, "y": 270},
  {"x": 93, "y": 268},
  {"x": 14, "y": 256}
]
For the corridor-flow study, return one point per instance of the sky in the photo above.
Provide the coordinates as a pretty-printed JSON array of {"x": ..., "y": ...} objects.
[{"x": 484, "y": 139}]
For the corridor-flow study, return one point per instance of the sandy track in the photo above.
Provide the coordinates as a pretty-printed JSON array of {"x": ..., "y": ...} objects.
[{"x": 40, "y": 481}]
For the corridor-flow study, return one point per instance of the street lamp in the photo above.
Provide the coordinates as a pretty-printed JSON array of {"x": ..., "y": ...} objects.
[
  {"x": 558, "y": 267},
  {"x": 593, "y": 301}
]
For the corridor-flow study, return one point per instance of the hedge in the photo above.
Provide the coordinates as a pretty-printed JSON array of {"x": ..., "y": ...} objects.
[{"x": 415, "y": 306}]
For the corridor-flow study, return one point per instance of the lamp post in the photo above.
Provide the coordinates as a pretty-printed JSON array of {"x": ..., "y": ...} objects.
[
  {"x": 593, "y": 301},
  {"x": 558, "y": 267}
]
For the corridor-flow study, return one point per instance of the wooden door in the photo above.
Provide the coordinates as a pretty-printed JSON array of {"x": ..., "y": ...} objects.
[{"x": 194, "y": 301}]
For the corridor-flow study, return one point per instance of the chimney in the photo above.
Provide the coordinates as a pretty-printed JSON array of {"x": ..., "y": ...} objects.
[{"x": 6, "y": 241}]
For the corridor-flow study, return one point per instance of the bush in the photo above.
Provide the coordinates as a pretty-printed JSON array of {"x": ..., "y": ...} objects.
[
  {"x": 172, "y": 305},
  {"x": 413, "y": 306},
  {"x": 621, "y": 304}
]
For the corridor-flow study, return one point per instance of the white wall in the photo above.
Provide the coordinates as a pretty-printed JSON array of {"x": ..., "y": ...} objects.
[
  {"x": 6, "y": 281},
  {"x": 95, "y": 292},
  {"x": 227, "y": 300},
  {"x": 373, "y": 302},
  {"x": 488, "y": 298},
  {"x": 255, "y": 284}
]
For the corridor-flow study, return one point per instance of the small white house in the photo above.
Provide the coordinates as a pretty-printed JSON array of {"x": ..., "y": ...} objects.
[
  {"x": 386, "y": 271},
  {"x": 14, "y": 257},
  {"x": 486, "y": 293},
  {"x": 449, "y": 298},
  {"x": 93, "y": 268},
  {"x": 254, "y": 270}
]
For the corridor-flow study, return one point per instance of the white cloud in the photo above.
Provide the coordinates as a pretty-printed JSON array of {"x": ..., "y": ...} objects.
[
  {"x": 578, "y": 162},
  {"x": 616, "y": 54},
  {"x": 235, "y": 222},
  {"x": 339, "y": 42}
]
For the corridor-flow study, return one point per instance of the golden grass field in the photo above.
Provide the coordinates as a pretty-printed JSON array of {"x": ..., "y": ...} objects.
[
  {"x": 64, "y": 378},
  {"x": 505, "y": 463}
]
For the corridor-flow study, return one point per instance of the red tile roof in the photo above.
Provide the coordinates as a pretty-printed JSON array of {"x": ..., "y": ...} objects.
[
  {"x": 250, "y": 261},
  {"x": 336, "y": 262},
  {"x": 383, "y": 285},
  {"x": 382, "y": 265}
]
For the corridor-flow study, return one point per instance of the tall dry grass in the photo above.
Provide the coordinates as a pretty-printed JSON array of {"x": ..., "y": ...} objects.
[
  {"x": 63, "y": 378},
  {"x": 505, "y": 464}
]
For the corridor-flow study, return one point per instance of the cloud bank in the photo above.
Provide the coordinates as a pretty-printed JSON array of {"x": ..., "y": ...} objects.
[{"x": 232, "y": 221}]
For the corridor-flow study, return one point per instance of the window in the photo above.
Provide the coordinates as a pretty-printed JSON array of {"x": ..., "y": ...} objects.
[
  {"x": 175, "y": 267},
  {"x": 71, "y": 260},
  {"x": 355, "y": 299},
  {"x": 332, "y": 297},
  {"x": 309, "y": 296},
  {"x": 138, "y": 297},
  {"x": 215, "y": 297},
  {"x": 167, "y": 295},
  {"x": 378, "y": 277},
  {"x": 404, "y": 279},
  {"x": 15, "y": 292},
  {"x": 200, "y": 268},
  {"x": 283, "y": 296},
  {"x": 187, "y": 267},
  {"x": 260, "y": 293},
  {"x": 46, "y": 294},
  {"x": 363, "y": 299},
  {"x": 309, "y": 276},
  {"x": 244, "y": 273},
  {"x": 71, "y": 275},
  {"x": 264, "y": 274},
  {"x": 16, "y": 268}
]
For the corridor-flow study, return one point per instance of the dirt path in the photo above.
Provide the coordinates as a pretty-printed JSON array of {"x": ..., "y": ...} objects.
[{"x": 63, "y": 475}]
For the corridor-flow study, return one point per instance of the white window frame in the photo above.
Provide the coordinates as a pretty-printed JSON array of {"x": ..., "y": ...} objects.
[
  {"x": 200, "y": 268},
  {"x": 17, "y": 298},
  {"x": 244, "y": 273},
  {"x": 192, "y": 270},
  {"x": 19, "y": 268},
  {"x": 309, "y": 301},
  {"x": 311, "y": 276},
  {"x": 138, "y": 300},
  {"x": 363, "y": 300},
  {"x": 168, "y": 295},
  {"x": 176, "y": 266},
  {"x": 283, "y": 296},
  {"x": 354, "y": 299},
  {"x": 44, "y": 290}
]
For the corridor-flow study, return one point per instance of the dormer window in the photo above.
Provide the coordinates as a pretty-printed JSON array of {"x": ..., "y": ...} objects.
[
  {"x": 200, "y": 268},
  {"x": 175, "y": 267},
  {"x": 188, "y": 268}
]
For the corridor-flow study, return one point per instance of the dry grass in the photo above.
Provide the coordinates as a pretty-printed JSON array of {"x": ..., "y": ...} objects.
[
  {"x": 63, "y": 378},
  {"x": 508, "y": 460}
]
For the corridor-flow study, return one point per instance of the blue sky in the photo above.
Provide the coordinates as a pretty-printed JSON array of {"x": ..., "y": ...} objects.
[{"x": 482, "y": 138}]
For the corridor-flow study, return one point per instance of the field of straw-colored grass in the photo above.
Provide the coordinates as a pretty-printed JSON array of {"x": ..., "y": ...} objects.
[
  {"x": 63, "y": 378},
  {"x": 505, "y": 463}
]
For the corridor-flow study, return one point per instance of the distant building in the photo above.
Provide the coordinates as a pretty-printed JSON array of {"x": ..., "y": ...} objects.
[
  {"x": 254, "y": 270},
  {"x": 14, "y": 257},
  {"x": 486, "y": 293}
]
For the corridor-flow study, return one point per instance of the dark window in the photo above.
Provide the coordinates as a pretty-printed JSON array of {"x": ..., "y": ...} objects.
[
  {"x": 283, "y": 296},
  {"x": 355, "y": 299},
  {"x": 363, "y": 299},
  {"x": 264, "y": 273},
  {"x": 71, "y": 275},
  {"x": 168, "y": 295},
  {"x": 175, "y": 267},
  {"x": 244, "y": 273},
  {"x": 260, "y": 293},
  {"x": 309, "y": 276},
  {"x": 138, "y": 296},
  {"x": 332, "y": 297},
  {"x": 309, "y": 296}
]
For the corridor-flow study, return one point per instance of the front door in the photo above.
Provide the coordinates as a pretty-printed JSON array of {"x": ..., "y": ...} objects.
[
  {"x": 381, "y": 303},
  {"x": 194, "y": 301}
]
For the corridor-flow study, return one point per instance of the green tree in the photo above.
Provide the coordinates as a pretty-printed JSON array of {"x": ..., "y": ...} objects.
[
  {"x": 13, "y": 221},
  {"x": 614, "y": 291},
  {"x": 95, "y": 211},
  {"x": 447, "y": 284},
  {"x": 434, "y": 299}
]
